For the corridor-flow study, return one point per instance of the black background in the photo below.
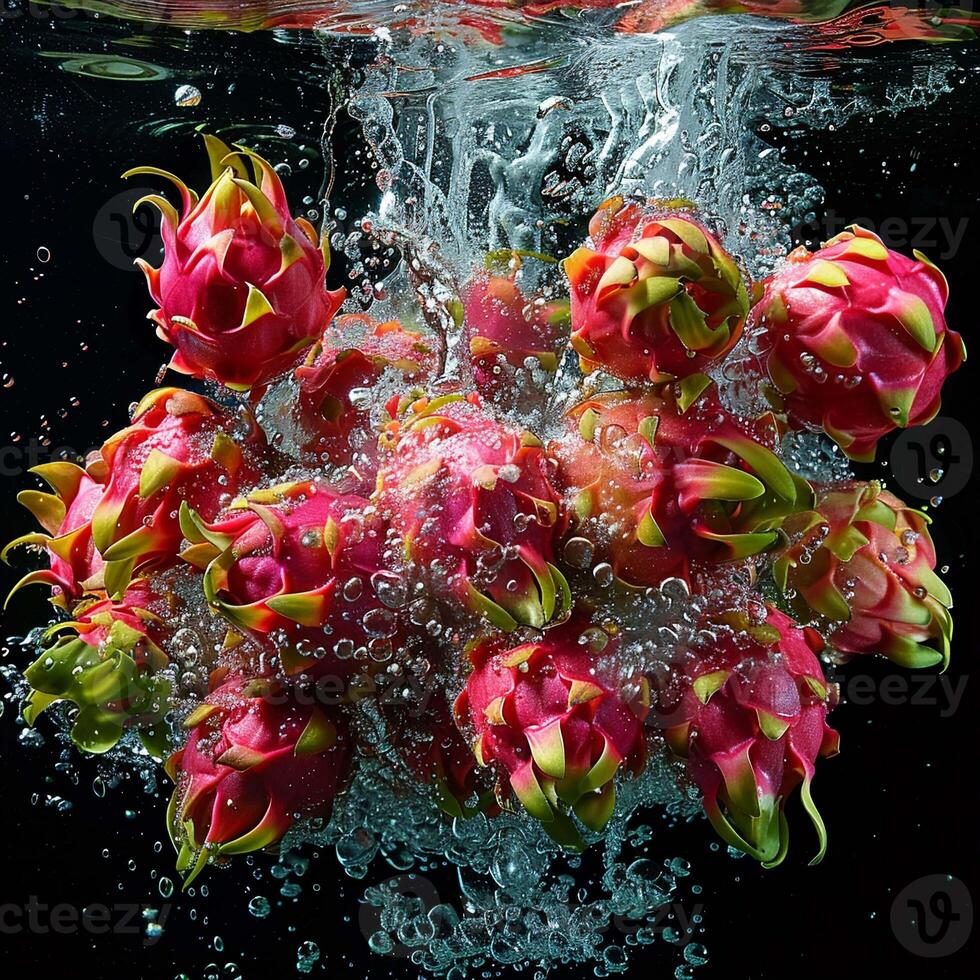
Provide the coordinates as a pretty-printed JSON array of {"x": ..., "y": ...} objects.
[{"x": 900, "y": 802}]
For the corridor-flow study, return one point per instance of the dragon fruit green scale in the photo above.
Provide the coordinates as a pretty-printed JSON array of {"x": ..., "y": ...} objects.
[
  {"x": 858, "y": 341},
  {"x": 241, "y": 289}
]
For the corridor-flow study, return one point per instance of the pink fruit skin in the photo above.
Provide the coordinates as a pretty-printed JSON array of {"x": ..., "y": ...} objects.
[
  {"x": 302, "y": 562},
  {"x": 503, "y": 326},
  {"x": 644, "y": 460},
  {"x": 548, "y": 717},
  {"x": 636, "y": 332},
  {"x": 241, "y": 289},
  {"x": 460, "y": 489},
  {"x": 355, "y": 352},
  {"x": 866, "y": 562},
  {"x": 859, "y": 342},
  {"x": 179, "y": 449},
  {"x": 257, "y": 760},
  {"x": 750, "y": 718}
]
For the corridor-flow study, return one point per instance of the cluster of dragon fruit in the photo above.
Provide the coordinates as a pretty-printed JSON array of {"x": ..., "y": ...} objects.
[{"x": 410, "y": 527}]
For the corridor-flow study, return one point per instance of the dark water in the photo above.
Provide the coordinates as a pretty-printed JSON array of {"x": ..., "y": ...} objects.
[{"x": 901, "y": 800}]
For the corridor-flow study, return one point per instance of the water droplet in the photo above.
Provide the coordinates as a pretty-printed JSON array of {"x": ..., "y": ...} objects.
[{"x": 187, "y": 95}]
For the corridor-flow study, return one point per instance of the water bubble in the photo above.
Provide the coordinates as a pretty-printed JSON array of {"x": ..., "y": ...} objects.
[
  {"x": 260, "y": 907},
  {"x": 187, "y": 95}
]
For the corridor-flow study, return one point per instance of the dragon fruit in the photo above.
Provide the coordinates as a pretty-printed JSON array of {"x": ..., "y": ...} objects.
[
  {"x": 554, "y": 722},
  {"x": 258, "y": 758},
  {"x": 750, "y": 718},
  {"x": 865, "y": 561},
  {"x": 75, "y": 566},
  {"x": 109, "y": 662},
  {"x": 435, "y": 751},
  {"x": 656, "y": 297},
  {"x": 304, "y": 561},
  {"x": 472, "y": 504},
  {"x": 181, "y": 448},
  {"x": 241, "y": 288},
  {"x": 655, "y": 487},
  {"x": 354, "y": 355},
  {"x": 858, "y": 344},
  {"x": 505, "y": 330}
]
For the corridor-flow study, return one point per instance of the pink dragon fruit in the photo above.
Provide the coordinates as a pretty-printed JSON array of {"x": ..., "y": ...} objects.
[
  {"x": 181, "y": 448},
  {"x": 655, "y": 487},
  {"x": 858, "y": 342},
  {"x": 505, "y": 330},
  {"x": 258, "y": 758},
  {"x": 75, "y": 565},
  {"x": 750, "y": 717},
  {"x": 241, "y": 289},
  {"x": 865, "y": 561},
  {"x": 107, "y": 661},
  {"x": 355, "y": 353},
  {"x": 302, "y": 560},
  {"x": 472, "y": 503},
  {"x": 656, "y": 297},
  {"x": 435, "y": 751},
  {"x": 551, "y": 719}
]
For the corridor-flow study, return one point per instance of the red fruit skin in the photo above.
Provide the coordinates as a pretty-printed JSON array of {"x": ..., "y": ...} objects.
[
  {"x": 356, "y": 352},
  {"x": 180, "y": 449},
  {"x": 462, "y": 490},
  {"x": 241, "y": 288},
  {"x": 257, "y": 759},
  {"x": 551, "y": 720},
  {"x": 859, "y": 341},
  {"x": 437, "y": 753},
  {"x": 865, "y": 562},
  {"x": 749, "y": 716},
  {"x": 505, "y": 329},
  {"x": 629, "y": 460},
  {"x": 75, "y": 567},
  {"x": 634, "y": 331},
  {"x": 300, "y": 560}
]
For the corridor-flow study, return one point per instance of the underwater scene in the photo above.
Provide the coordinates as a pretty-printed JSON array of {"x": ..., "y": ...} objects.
[{"x": 485, "y": 488}]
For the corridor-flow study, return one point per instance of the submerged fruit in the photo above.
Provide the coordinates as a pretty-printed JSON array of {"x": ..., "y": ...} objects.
[
  {"x": 858, "y": 343},
  {"x": 241, "y": 289},
  {"x": 471, "y": 502},
  {"x": 257, "y": 759},
  {"x": 110, "y": 663},
  {"x": 554, "y": 721},
  {"x": 657, "y": 489},
  {"x": 656, "y": 297},
  {"x": 750, "y": 717},
  {"x": 865, "y": 562}
]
